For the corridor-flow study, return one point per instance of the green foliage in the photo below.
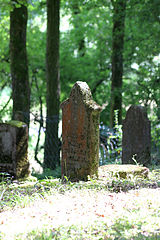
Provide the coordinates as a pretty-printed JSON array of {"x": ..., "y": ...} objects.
[
  {"x": 155, "y": 133},
  {"x": 93, "y": 66},
  {"x": 94, "y": 23},
  {"x": 111, "y": 143},
  {"x": 118, "y": 136},
  {"x": 123, "y": 228},
  {"x": 49, "y": 174},
  {"x": 91, "y": 22},
  {"x": 95, "y": 26},
  {"x": 4, "y": 51},
  {"x": 141, "y": 50},
  {"x": 23, "y": 193}
]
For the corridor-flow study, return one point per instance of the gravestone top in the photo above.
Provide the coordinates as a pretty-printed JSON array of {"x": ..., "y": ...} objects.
[
  {"x": 81, "y": 92},
  {"x": 15, "y": 123},
  {"x": 80, "y": 133},
  {"x": 136, "y": 140}
]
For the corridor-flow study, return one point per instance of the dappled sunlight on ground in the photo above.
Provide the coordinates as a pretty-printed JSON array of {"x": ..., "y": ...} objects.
[{"x": 78, "y": 207}]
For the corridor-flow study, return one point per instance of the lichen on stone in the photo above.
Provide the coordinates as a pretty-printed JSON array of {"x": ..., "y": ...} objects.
[{"x": 80, "y": 134}]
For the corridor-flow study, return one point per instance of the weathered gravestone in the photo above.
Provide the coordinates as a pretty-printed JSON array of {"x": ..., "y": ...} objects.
[
  {"x": 14, "y": 149},
  {"x": 80, "y": 134},
  {"x": 136, "y": 140}
]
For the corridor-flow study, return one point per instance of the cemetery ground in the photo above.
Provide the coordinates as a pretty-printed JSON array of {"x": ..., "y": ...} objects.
[{"x": 108, "y": 208}]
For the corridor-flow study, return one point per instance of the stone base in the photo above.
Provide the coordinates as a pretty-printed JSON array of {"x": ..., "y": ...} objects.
[{"x": 122, "y": 171}]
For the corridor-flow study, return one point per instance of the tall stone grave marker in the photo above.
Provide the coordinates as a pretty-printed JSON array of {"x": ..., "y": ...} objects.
[
  {"x": 14, "y": 149},
  {"x": 136, "y": 140},
  {"x": 80, "y": 134}
]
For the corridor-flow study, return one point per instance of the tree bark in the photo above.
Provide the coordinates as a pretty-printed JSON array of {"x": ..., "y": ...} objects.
[
  {"x": 51, "y": 151},
  {"x": 77, "y": 25},
  {"x": 118, "y": 31},
  {"x": 19, "y": 63}
]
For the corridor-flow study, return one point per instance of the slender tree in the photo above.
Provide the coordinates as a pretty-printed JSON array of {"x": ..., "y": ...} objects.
[
  {"x": 77, "y": 22},
  {"x": 119, "y": 7},
  {"x": 51, "y": 151},
  {"x": 18, "y": 61}
]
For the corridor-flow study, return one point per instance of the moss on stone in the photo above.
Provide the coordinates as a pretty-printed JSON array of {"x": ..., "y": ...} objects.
[
  {"x": 15, "y": 123},
  {"x": 80, "y": 137},
  {"x": 28, "y": 179},
  {"x": 123, "y": 171}
]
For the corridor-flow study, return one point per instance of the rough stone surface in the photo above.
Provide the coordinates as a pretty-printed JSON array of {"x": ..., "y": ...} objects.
[
  {"x": 80, "y": 134},
  {"x": 14, "y": 149},
  {"x": 136, "y": 140}
]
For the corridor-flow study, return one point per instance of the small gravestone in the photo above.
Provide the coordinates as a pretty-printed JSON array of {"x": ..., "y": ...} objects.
[
  {"x": 80, "y": 134},
  {"x": 136, "y": 140},
  {"x": 14, "y": 149}
]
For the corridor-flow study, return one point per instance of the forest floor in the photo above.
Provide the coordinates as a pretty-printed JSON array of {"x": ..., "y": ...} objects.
[{"x": 48, "y": 209}]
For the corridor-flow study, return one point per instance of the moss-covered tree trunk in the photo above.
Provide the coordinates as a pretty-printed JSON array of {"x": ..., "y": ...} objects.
[
  {"x": 51, "y": 151},
  {"x": 119, "y": 7},
  {"x": 19, "y": 64}
]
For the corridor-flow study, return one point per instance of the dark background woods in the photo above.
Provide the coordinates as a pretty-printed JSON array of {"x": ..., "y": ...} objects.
[{"x": 112, "y": 45}]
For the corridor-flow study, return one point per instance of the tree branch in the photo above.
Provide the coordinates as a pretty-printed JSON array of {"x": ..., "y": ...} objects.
[
  {"x": 97, "y": 85},
  {"x": 6, "y": 104},
  {"x": 34, "y": 77}
]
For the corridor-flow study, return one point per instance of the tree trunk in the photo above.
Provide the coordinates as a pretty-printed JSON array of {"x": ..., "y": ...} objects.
[
  {"x": 119, "y": 7},
  {"x": 19, "y": 63},
  {"x": 51, "y": 151},
  {"x": 78, "y": 25}
]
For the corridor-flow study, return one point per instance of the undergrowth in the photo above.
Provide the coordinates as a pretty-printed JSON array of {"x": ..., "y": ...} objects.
[
  {"x": 137, "y": 225},
  {"x": 19, "y": 194},
  {"x": 122, "y": 229}
]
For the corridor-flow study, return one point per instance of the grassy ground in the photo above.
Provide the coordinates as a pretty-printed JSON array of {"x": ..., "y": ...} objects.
[{"x": 112, "y": 208}]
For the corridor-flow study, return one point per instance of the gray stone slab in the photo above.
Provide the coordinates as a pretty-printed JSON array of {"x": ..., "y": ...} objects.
[{"x": 136, "y": 140}]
